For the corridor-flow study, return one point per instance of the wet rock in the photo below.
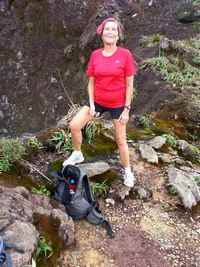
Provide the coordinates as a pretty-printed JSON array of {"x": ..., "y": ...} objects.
[
  {"x": 19, "y": 211},
  {"x": 185, "y": 185},
  {"x": 96, "y": 168},
  {"x": 148, "y": 153},
  {"x": 25, "y": 237},
  {"x": 66, "y": 226},
  {"x": 157, "y": 142}
]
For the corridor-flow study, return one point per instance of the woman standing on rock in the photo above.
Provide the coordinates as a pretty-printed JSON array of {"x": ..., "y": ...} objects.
[{"x": 111, "y": 70}]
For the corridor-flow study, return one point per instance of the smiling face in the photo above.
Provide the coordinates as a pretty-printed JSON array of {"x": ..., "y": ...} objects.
[{"x": 110, "y": 34}]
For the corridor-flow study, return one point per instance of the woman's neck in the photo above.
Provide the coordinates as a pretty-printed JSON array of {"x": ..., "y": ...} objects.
[{"x": 109, "y": 49}]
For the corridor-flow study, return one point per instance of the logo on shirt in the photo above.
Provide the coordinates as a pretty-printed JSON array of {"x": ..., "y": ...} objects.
[{"x": 117, "y": 61}]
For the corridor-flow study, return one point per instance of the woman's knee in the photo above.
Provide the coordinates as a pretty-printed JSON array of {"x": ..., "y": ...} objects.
[
  {"x": 74, "y": 126},
  {"x": 121, "y": 141}
]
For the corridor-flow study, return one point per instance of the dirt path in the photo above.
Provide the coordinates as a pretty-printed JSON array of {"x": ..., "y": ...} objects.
[{"x": 157, "y": 233}]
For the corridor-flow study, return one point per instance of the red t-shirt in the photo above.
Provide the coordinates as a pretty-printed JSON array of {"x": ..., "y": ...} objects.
[{"x": 110, "y": 76}]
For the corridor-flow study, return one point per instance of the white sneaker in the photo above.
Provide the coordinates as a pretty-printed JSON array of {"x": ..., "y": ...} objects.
[
  {"x": 129, "y": 178},
  {"x": 74, "y": 158}
]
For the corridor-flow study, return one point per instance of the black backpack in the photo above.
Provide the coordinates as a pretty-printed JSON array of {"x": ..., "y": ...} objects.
[{"x": 74, "y": 192}]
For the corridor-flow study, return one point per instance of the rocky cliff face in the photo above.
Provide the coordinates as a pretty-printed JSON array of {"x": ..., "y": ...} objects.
[{"x": 45, "y": 47}]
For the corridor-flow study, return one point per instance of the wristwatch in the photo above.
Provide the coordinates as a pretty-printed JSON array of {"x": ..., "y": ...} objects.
[{"x": 127, "y": 107}]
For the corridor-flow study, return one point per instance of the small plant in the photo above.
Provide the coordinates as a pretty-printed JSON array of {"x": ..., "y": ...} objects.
[
  {"x": 145, "y": 121},
  {"x": 194, "y": 149},
  {"x": 11, "y": 150},
  {"x": 90, "y": 132},
  {"x": 34, "y": 143},
  {"x": 41, "y": 190},
  {"x": 100, "y": 189},
  {"x": 172, "y": 72},
  {"x": 44, "y": 248},
  {"x": 172, "y": 190},
  {"x": 170, "y": 139},
  {"x": 62, "y": 140}
]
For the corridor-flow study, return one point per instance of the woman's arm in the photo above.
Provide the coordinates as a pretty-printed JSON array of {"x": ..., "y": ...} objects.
[
  {"x": 129, "y": 90},
  {"x": 91, "y": 95},
  {"x": 124, "y": 117}
]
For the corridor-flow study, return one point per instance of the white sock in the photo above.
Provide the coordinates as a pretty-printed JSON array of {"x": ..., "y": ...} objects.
[
  {"x": 127, "y": 169},
  {"x": 78, "y": 151}
]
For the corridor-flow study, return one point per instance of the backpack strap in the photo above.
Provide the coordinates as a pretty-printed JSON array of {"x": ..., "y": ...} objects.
[
  {"x": 108, "y": 228},
  {"x": 95, "y": 216}
]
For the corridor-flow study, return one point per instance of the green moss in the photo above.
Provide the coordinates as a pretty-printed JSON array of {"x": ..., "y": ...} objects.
[
  {"x": 12, "y": 180},
  {"x": 194, "y": 149},
  {"x": 172, "y": 127},
  {"x": 101, "y": 146},
  {"x": 140, "y": 134},
  {"x": 150, "y": 41}
]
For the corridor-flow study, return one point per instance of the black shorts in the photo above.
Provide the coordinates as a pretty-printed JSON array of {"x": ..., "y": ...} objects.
[{"x": 114, "y": 112}]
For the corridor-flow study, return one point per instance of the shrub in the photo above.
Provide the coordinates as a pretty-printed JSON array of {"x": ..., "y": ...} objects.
[
  {"x": 33, "y": 143},
  {"x": 44, "y": 248},
  {"x": 170, "y": 139},
  {"x": 11, "y": 150},
  {"x": 171, "y": 71},
  {"x": 145, "y": 121},
  {"x": 90, "y": 131},
  {"x": 41, "y": 190},
  {"x": 100, "y": 188},
  {"x": 62, "y": 140}
]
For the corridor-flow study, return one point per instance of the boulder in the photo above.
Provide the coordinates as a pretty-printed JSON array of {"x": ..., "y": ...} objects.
[
  {"x": 19, "y": 211},
  {"x": 95, "y": 168},
  {"x": 157, "y": 142},
  {"x": 185, "y": 185},
  {"x": 148, "y": 153}
]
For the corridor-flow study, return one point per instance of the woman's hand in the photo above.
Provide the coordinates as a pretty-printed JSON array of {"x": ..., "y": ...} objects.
[
  {"x": 92, "y": 109},
  {"x": 124, "y": 117}
]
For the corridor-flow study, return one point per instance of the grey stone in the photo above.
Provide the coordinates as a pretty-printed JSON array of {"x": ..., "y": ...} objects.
[
  {"x": 96, "y": 168},
  {"x": 148, "y": 153},
  {"x": 185, "y": 185},
  {"x": 157, "y": 142},
  {"x": 182, "y": 144}
]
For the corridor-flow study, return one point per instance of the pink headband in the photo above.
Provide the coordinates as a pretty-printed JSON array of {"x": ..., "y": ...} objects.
[{"x": 100, "y": 28}]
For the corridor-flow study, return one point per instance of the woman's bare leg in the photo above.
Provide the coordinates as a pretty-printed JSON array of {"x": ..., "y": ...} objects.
[
  {"x": 120, "y": 136},
  {"x": 77, "y": 123}
]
